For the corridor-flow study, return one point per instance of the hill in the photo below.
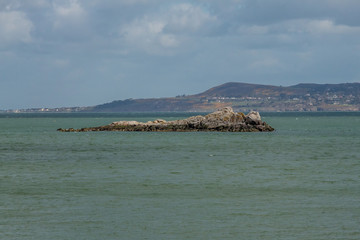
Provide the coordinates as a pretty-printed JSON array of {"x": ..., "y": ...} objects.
[
  {"x": 245, "y": 97},
  {"x": 238, "y": 90},
  {"x": 242, "y": 97}
]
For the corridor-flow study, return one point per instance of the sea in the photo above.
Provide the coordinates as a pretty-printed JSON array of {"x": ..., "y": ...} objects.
[{"x": 301, "y": 181}]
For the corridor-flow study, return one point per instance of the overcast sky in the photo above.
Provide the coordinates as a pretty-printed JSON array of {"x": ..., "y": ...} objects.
[{"x": 56, "y": 53}]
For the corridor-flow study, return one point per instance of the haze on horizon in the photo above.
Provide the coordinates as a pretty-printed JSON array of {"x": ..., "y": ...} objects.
[{"x": 57, "y": 53}]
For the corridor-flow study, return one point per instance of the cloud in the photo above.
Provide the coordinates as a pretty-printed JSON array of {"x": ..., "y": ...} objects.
[
  {"x": 327, "y": 27},
  {"x": 71, "y": 10},
  {"x": 69, "y": 13},
  {"x": 18, "y": 4},
  {"x": 121, "y": 2},
  {"x": 295, "y": 34},
  {"x": 148, "y": 35},
  {"x": 300, "y": 26},
  {"x": 167, "y": 29},
  {"x": 187, "y": 18},
  {"x": 267, "y": 62},
  {"x": 61, "y": 63},
  {"x": 69, "y": 22},
  {"x": 15, "y": 27}
]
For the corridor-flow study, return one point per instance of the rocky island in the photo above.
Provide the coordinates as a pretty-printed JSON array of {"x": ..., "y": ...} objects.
[{"x": 223, "y": 120}]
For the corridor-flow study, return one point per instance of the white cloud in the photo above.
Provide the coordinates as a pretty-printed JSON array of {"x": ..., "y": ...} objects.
[
  {"x": 188, "y": 18},
  {"x": 167, "y": 29},
  {"x": 13, "y": 5},
  {"x": 9, "y": 5},
  {"x": 297, "y": 35},
  {"x": 120, "y": 2},
  {"x": 327, "y": 27},
  {"x": 69, "y": 13},
  {"x": 168, "y": 40},
  {"x": 15, "y": 27},
  {"x": 299, "y": 26},
  {"x": 61, "y": 63},
  {"x": 253, "y": 30},
  {"x": 70, "y": 21},
  {"x": 267, "y": 63},
  {"x": 148, "y": 34},
  {"x": 72, "y": 9}
]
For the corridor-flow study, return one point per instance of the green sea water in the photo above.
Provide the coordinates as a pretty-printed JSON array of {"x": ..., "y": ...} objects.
[{"x": 300, "y": 182}]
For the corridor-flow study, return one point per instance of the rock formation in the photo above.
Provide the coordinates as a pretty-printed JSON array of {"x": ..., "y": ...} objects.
[{"x": 223, "y": 120}]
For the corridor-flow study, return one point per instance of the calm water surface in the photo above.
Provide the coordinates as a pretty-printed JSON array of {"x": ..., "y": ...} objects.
[{"x": 300, "y": 182}]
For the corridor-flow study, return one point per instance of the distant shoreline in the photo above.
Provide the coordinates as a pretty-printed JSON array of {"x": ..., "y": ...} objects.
[
  {"x": 164, "y": 114},
  {"x": 242, "y": 97}
]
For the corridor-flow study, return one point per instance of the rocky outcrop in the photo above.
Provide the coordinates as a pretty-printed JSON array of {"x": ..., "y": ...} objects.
[{"x": 224, "y": 120}]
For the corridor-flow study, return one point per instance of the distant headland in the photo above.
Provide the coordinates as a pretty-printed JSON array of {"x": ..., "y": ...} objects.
[
  {"x": 223, "y": 120},
  {"x": 242, "y": 97}
]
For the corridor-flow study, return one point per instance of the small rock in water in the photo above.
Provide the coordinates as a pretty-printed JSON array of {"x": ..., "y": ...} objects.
[{"x": 223, "y": 120}]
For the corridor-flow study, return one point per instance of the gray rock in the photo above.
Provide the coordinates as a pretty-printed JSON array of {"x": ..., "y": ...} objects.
[
  {"x": 254, "y": 116},
  {"x": 223, "y": 120}
]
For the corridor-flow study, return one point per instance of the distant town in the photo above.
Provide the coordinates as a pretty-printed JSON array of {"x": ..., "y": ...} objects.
[
  {"x": 307, "y": 102},
  {"x": 53, "y": 110}
]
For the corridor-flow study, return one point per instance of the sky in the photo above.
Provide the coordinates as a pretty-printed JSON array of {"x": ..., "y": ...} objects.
[{"x": 67, "y": 53}]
